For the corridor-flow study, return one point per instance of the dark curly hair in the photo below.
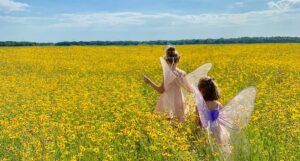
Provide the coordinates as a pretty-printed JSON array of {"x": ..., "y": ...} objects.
[{"x": 211, "y": 91}]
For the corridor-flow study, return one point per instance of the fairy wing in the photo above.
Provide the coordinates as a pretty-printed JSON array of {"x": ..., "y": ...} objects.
[
  {"x": 201, "y": 106},
  {"x": 200, "y": 72},
  {"x": 228, "y": 143},
  {"x": 236, "y": 113},
  {"x": 192, "y": 79},
  {"x": 168, "y": 75}
]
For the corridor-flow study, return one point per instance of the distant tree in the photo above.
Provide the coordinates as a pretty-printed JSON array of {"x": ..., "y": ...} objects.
[{"x": 241, "y": 40}]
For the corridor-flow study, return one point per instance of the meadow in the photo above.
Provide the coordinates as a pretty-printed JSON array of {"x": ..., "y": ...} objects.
[{"x": 90, "y": 103}]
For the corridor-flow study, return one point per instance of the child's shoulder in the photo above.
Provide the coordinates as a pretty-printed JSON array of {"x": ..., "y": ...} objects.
[{"x": 214, "y": 105}]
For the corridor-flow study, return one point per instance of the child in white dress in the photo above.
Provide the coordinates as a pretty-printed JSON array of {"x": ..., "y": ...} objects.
[{"x": 171, "y": 99}]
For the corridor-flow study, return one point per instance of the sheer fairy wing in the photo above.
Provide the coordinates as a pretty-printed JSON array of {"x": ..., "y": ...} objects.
[
  {"x": 190, "y": 80},
  {"x": 169, "y": 76},
  {"x": 236, "y": 113},
  {"x": 201, "y": 106},
  {"x": 228, "y": 143},
  {"x": 200, "y": 72},
  {"x": 219, "y": 140},
  {"x": 239, "y": 145}
]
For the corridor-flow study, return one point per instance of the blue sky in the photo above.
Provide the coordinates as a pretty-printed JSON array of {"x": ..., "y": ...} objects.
[{"x": 75, "y": 20}]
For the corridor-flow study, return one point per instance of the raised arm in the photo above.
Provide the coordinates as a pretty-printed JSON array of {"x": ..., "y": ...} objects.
[
  {"x": 186, "y": 84},
  {"x": 159, "y": 89}
]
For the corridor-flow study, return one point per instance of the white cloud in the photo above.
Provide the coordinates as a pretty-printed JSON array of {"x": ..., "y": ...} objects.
[
  {"x": 26, "y": 20},
  {"x": 101, "y": 20},
  {"x": 271, "y": 21},
  {"x": 237, "y": 4},
  {"x": 119, "y": 19},
  {"x": 108, "y": 19},
  {"x": 283, "y": 4},
  {"x": 11, "y": 5},
  {"x": 276, "y": 10}
]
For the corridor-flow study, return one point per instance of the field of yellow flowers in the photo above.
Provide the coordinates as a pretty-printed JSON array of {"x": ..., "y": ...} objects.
[{"x": 90, "y": 103}]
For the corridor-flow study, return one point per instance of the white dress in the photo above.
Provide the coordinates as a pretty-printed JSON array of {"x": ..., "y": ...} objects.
[{"x": 172, "y": 100}]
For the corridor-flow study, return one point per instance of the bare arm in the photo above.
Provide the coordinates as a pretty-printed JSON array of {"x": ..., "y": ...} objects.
[
  {"x": 186, "y": 85},
  {"x": 159, "y": 89}
]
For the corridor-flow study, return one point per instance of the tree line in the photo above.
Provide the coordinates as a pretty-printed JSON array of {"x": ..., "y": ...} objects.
[{"x": 241, "y": 40}]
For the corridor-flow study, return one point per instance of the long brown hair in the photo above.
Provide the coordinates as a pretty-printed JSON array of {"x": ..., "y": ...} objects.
[{"x": 210, "y": 88}]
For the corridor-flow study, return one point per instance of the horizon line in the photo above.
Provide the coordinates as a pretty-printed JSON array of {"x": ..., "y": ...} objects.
[{"x": 187, "y": 39}]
